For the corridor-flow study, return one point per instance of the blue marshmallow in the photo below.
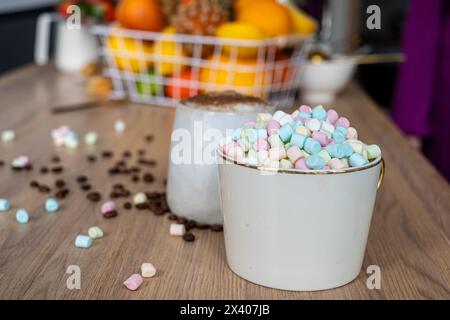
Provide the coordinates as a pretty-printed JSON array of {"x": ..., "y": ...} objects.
[
  {"x": 338, "y": 137},
  {"x": 251, "y": 135},
  {"x": 4, "y": 205},
  {"x": 319, "y": 113},
  {"x": 296, "y": 124},
  {"x": 298, "y": 140},
  {"x": 315, "y": 162},
  {"x": 336, "y": 150},
  {"x": 22, "y": 216},
  {"x": 357, "y": 160},
  {"x": 347, "y": 150},
  {"x": 312, "y": 146},
  {"x": 51, "y": 205},
  {"x": 342, "y": 130},
  {"x": 304, "y": 115},
  {"x": 285, "y": 132},
  {"x": 82, "y": 241}
]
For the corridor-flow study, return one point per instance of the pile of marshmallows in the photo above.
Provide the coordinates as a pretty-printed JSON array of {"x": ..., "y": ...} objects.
[{"x": 307, "y": 139}]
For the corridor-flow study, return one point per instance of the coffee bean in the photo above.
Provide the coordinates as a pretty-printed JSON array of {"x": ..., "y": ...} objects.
[
  {"x": 114, "y": 195},
  {"x": 94, "y": 196},
  {"x": 61, "y": 194},
  {"x": 91, "y": 158},
  {"x": 113, "y": 171},
  {"x": 34, "y": 184},
  {"x": 142, "y": 206},
  {"x": 216, "y": 227},
  {"x": 44, "y": 189},
  {"x": 127, "y": 205},
  {"x": 28, "y": 167},
  {"x": 145, "y": 162},
  {"x": 135, "y": 169},
  {"x": 110, "y": 214},
  {"x": 60, "y": 183},
  {"x": 202, "y": 226},
  {"x": 58, "y": 169},
  {"x": 188, "y": 236},
  {"x": 182, "y": 220},
  {"x": 118, "y": 186},
  {"x": 44, "y": 170},
  {"x": 2, "y": 163},
  {"x": 82, "y": 179},
  {"x": 135, "y": 178},
  {"x": 126, "y": 154},
  {"x": 125, "y": 193},
  {"x": 148, "y": 178},
  {"x": 141, "y": 152},
  {"x": 107, "y": 154},
  {"x": 56, "y": 159},
  {"x": 149, "y": 138},
  {"x": 85, "y": 187},
  {"x": 190, "y": 224},
  {"x": 172, "y": 217}
]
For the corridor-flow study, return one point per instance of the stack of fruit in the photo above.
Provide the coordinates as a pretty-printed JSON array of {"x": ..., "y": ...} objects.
[{"x": 233, "y": 66}]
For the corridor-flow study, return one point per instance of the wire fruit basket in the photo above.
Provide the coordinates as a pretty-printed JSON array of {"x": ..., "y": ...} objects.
[{"x": 164, "y": 67}]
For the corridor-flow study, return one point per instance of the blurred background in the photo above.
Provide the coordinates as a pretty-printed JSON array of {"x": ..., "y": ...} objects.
[{"x": 412, "y": 89}]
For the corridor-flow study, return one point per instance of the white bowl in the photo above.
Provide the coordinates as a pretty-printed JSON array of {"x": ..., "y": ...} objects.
[
  {"x": 320, "y": 82},
  {"x": 297, "y": 230}
]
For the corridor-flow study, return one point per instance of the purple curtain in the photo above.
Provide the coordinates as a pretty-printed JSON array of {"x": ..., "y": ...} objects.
[{"x": 421, "y": 103}]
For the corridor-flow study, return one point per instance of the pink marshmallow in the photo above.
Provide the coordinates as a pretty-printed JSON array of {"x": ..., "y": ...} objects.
[
  {"x": 294, "y": 153},
  {"x": 305, "y": 108},
  {"x": 228, "y": 146},
  {"x": 261, "y": 145},
  {"x": 133, "y": 282},
  {"x": 301, "y": 164},
  {"x": 272, "y": 127},
  {"x": 343, "y": 122},
  {"x": 321, "y": 137},
  {"x": 108, "y": 207},
  {"x": 332, "y": 116}
]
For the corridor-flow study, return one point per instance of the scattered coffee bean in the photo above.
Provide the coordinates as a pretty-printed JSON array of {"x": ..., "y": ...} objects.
[
  {"x": 128, "y": 205},
  {"x": 148, "y": 178},
  {"x": 141, "y": 152},
  {"x": 149, "y": 138},
  {"x": 60, "y": 183},
  {"x": 202, "y": 226},
  {"x": 28, "y": 167},
  {"x": 145, "y": 162},
  {"x": 91, "y": 158},
  {"x": 61, "y": 194},
  {"x": 118, "y": 186},
  {"x": 113, "y": 171},
  {"x": 172, "y": 217},
  {"x": 135, "y": 169},
  {"x": 44, "y": 170},
  {"x": 56, "y": 159},
  {"x": 110, "y": 214},
  {"x": 190, "y": 224},
  {"x": 135, "y": 178},
  {"x": 126, "y": 154},
  {"x": 114, "y": 195},
  {"x": 94, "y": 196},
  {"x": 107, "y": 154},
  {"x": 34, "y": 184},
  {"x": 82, "y": 179},
  {"x": 44, "y": 189},
  {"x": 182, "y": 220},
  {"x": 58, "y": 169},
  {"x": 85, "y": 187},
  {"x": 216, "y": 227},
  {"x": 188, "y": 236},
  {"x": 142, "y": 206},
  {"x": 2, "y": 163},
  {"x": 125, "y": 193}
]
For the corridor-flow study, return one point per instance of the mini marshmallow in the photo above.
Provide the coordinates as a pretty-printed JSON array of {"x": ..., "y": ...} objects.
[
  {"x": 277, "y": 153},
  {"x": 300, "y": 164},
  {"x": 236, "y": 153},
  {"x": 352, "y": 134},
  {"x": 295, "y": 114},
  {"x": 8, "y": 135},
  {"x": 272, "y": 127},
  {"x": 373, "y": 151},
  {"x": 356, "y": 145},
  {"x": 82, "y": 241},
  {"x": 294, "y": 153},
  {"x": 140, "y": 198},
  {"x": 261, "y": 145},
  {"x": 332, "y": 116},
  {"x": 51, "y": 205},
  {"x": 263, "y": 117},
  {"x": 336, "y": 164},
  {"x": 327, "y": 128},
  {"x": 133, "y": 282},
  {"x": 338, "y": 137},
  {"x": 262, "y": 156},
  {"x": 250, "y": 134},
  {"x": 319, "y": 113},
  {"x": 305, "y": 108},
  {"x": 20, "y": 162},
  {"x": 244, "y": 144},
  {"x": 343, "y": 122},
  {"x": 313, "y": 124},
  {"x": 303, "y": 131},
  {"x": 177, "y": 229},
  {"x": 91, "y": 138},
  {"x": 4, "y": 205},
  {"x": 286, "y": 164},
  {"x": 324, "y": 155},
  {"x": 95, "y": 233},
  {"x": 285, "y": 133},
  {"x": 148, "y": 270},
  {"x": 270, "y": 163},
  {"x": 315, "y": 162},
  {"x": 286, "y": 119},
  {"x": 275, "y": 141},
  {"x": 22, "y": 216},
  {"x": 278, "y": 115},
  {"x": 304, "y": 115},
  {"x": 110, "y": 205},
  {"x": 321, "y": 137},
  {"x": 357, "y": 160},
  {"x": 119, "y": 126},
  {"x": 298, "y": 140},
  {"x": 335, "y": 150},
  {"x": 236, "y": 134},
  {"x": 312, "y": 146}
]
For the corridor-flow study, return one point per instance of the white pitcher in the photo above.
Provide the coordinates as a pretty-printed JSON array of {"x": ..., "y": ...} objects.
[{"x": 74, "y": 48}]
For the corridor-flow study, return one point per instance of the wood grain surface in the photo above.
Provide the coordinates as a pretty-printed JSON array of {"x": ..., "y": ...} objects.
[{"x": 409, "y": 236}]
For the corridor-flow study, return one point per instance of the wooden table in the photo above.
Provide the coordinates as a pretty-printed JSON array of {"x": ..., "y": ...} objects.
[{"x": 409, "y": 237}]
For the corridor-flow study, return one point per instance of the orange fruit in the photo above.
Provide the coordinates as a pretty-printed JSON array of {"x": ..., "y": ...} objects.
[
  {"x": 241, "y": 75},
  {"x": 144, "y": 15},
  {"x": 177, "y": 90},
  {"x": 272, "y": 18}
]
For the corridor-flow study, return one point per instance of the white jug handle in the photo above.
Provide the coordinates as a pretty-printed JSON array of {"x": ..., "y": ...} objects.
[
  {"x": 42, "y": 39},
  {"x": 382, "y": 172}
]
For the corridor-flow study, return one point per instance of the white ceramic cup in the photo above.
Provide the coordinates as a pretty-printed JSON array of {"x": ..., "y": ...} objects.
[
  {"x": 192, "y": 183},
  {"x": 297, "y": 230}
]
